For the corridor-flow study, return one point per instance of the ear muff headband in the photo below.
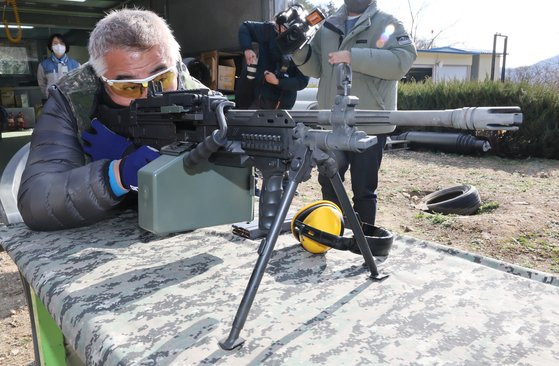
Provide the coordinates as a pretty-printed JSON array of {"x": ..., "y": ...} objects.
[
  {"x": 330, "y": 240},
  {"x": 306, "y": 210}
]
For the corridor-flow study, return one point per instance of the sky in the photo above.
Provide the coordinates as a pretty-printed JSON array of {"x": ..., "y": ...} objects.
[{"x": 532, "y": 27}]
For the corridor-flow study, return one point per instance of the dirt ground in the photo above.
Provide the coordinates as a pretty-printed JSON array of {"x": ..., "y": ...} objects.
[
  {"x": 16, "y": 344},
  {"x": 519, "y": 222}
]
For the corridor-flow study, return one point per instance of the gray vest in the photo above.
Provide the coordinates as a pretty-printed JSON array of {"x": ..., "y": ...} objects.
[{"x": 79, "y": 88}]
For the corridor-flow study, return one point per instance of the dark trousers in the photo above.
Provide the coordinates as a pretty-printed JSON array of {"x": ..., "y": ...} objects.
[{"x": 364, "y": 168}]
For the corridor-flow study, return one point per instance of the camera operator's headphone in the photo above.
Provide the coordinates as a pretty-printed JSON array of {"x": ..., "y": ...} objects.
[
  {"x": 300, "y": 27},
  {"x": 290, "y": 14}
]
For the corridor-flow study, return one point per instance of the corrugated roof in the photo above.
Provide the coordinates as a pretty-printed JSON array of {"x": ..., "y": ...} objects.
[{"x": 459, "y": 51}]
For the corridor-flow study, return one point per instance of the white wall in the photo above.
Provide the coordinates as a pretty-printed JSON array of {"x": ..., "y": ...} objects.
[
  {"x": 452, "y": 72},
  {"x": 449, "y": 66}
]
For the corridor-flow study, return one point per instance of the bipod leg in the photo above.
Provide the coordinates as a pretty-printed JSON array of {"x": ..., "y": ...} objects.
[
  {"x": 264, "y": 253},
  {"x": 355, "y": 226}
]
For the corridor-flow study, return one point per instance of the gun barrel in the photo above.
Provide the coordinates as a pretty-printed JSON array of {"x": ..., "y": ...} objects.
[{"x": 383, "y": 122}]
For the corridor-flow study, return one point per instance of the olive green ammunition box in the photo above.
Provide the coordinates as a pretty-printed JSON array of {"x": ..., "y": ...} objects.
[{"x": 173, "y": 200}]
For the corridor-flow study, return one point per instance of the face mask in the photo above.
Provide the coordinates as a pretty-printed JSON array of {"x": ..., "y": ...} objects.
[
  {"x": 59, "y": 49},
  {"x": 357, "y": 6}
]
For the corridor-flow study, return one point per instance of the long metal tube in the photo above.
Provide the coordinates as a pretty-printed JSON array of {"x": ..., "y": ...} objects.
[
  {"x": 504, "y": 67},
  {"x": 384, "y": 122},
  {"x": 468, "y": 118},
  {"x": 494, "y": 56}
]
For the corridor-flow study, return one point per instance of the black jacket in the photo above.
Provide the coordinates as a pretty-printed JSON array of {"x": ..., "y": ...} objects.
[
  {"x": 58, "y": 189},
  {"x": 270, "y": 58}
]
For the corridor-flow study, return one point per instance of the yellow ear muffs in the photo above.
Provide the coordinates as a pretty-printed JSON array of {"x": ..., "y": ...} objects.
[{"x": 324, "y": 216}]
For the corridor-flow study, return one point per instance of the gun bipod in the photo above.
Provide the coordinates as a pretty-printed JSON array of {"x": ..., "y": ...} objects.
[
  {"x": 300, "y": 169},
  {"x": 354, "y": 223},
  {"x": 265, "y": 251}
]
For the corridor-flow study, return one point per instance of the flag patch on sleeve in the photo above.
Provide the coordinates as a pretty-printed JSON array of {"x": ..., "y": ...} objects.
[{"x": 403, "y": 40}]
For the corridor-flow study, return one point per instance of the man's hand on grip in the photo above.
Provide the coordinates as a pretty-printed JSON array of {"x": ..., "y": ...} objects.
[
  {"x": 103, "y": 143},
  {"x": 129, "y": 166}
]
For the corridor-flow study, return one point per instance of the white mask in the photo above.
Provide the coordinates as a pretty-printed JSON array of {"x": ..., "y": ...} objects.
[{"x": 59, "y": 49}]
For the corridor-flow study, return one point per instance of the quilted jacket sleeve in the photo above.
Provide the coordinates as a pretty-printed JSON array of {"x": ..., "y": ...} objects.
[{"x": 58, "y": 189}]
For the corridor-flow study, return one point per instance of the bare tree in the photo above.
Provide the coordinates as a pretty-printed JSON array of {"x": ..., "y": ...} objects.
[
  {"x": 326, "y": 9},
  {"x": 423, "y": 41},
  {"x": 544, "y": 73}
]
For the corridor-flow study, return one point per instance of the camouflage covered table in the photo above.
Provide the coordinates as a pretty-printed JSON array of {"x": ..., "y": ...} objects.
[{"x": 124, "y": 296}]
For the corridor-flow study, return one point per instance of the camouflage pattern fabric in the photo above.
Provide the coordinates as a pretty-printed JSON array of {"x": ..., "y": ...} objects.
[{"x": 123, "y": 296}]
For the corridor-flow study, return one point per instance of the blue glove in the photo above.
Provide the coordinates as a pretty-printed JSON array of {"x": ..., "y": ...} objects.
[
  {"x": 130, "y": 165},
  {"x": 104, "y": 143}
]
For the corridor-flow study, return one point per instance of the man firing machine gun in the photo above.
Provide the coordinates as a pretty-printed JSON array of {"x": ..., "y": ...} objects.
[{"x": 201, "y": 134}]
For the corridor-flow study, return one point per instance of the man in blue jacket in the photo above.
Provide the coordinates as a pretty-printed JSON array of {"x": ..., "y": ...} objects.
[{"x": 277, "y": 79}]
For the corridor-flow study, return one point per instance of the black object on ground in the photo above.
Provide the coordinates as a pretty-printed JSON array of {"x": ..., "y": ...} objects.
[
  {"x": 379, "y": 239},
  {"x": 460, "y": 200},
  {"x": 461, "y": 143}
]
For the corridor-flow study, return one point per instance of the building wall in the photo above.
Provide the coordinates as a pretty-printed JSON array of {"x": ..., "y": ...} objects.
[
  {"x": 448, "y": 66},
  {"x": 443, "y": 59},
  {"x": 202, "y": 25},
  {"x": 485, "y": 67}
]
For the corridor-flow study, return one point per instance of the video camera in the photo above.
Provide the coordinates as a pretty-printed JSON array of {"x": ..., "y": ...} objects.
[{"x": 300, "y": 27}]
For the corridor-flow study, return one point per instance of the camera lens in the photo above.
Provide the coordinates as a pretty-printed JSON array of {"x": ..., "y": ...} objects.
[{"x": 292, "y": 35}]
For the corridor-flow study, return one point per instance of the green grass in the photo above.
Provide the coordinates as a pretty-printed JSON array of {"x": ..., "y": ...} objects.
[
  {"x": 535, "y": 244},
  {"x": 435, "y": 219},
  {"x": 488, "y": 207}
]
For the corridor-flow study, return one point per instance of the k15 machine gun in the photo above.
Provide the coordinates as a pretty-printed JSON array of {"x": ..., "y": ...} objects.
[{"x": 209, "y": 151}]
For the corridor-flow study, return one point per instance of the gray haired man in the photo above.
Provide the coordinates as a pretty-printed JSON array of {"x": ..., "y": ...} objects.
[
  {"x": 79, "y": 170},
  {"x": 380, "y": 53}
]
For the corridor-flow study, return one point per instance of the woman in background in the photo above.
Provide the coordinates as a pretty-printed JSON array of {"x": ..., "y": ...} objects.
[{"x": 54, "y": 67}]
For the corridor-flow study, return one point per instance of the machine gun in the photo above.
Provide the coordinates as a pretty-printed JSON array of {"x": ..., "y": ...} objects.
[{"x": 194, "y": 127}]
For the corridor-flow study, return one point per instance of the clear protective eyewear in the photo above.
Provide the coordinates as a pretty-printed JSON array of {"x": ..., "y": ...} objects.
[{"x": 134, "y": 88}]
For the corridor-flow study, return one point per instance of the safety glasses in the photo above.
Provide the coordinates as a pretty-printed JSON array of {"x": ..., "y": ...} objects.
[{"x": 134, "y": 88}]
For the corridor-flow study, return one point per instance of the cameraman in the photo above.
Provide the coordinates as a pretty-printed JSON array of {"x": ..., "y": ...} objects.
[
  {"x": 277, "y": 79},
  {"x": 380, "y": 53}
]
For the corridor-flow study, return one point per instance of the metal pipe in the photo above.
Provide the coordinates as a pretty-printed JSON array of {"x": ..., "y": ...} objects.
[
  {"x": 504, "y": 60},
  {"x": 450, "y": 142},
  {"x": 493, "y": 56},
  {"x": 383, "y": 122}
]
